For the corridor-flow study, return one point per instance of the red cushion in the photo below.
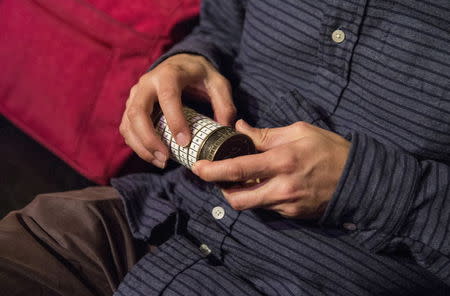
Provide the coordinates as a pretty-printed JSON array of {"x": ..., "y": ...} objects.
[{"x": 67, "y": 67}]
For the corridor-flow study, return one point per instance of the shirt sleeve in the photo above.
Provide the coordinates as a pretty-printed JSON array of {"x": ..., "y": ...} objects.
[
  {"x": 217, "y": 37},
  {"x": 394, "y": 201}
]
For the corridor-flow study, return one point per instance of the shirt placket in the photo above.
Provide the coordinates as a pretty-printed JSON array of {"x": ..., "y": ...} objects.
[
  {"x": 339, "y": 35},
  {"x": 215, "y": 223},
  {"x": 220, "y": 209}
]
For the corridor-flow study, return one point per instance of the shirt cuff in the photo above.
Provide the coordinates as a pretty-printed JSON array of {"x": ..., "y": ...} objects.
[{"x": 374, "y": 194}]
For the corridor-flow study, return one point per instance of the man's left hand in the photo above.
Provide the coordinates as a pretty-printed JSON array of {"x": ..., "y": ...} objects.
[{"x": 299, "y": 168}]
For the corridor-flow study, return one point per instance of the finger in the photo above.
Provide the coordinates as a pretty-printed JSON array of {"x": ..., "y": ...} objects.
[
  {"x": 236, "y": 169},
  {"x": 268, "y": 138},
  {"x": 219, "y": 91},
  {"x": 140, "y": 123},
  {"x": 143, "y": 153},
  {"x": 260, "y": 196},
  {"x": 133, "y": 142},
  {"x": 284, "y": 208},
  {"x": 169, "y": 90}
]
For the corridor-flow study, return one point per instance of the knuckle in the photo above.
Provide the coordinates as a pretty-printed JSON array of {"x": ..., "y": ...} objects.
[
  {"x": 287, "y": 163},
  {"x": 176, "y": 126},
  {"x": 166, "y": 94},
  {"x": 125, "y": 139},
  {"x": 201, "y": 60},
  {"x": 301, "y": 126},
  {"x": 235, "y": 204},
  {"x": 133, "y": 90},
  {"x": 145, "y": 156},
  {"x": 144, "y": 79},
  {"x": 133, "y": 111},
  {"x": 291, "y": 211},
  {"x": 221, "y": 82},
  {"x": 236, "y": 173},
  {"x": 147, "y": 143},
  {"x": 170, "y": 69},
  {"x": 287, "y": 190},
  {"x": 122, "y": 130},
  {"x": 174, "y": 66}
]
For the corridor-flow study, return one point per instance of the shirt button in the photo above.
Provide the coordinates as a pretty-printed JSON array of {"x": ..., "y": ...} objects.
[
  {"x": 204, "y": 249},
  {"x": 349, "y": 226},
  {"x": 338, "y": 36},
  {"x": 218, "y": 213}
]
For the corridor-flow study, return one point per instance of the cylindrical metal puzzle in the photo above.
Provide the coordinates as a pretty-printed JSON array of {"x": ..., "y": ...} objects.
[{"x": 210, "y": 140}]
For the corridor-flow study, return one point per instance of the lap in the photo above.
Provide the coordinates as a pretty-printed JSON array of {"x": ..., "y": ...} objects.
[{"x": 69, "y": 243}]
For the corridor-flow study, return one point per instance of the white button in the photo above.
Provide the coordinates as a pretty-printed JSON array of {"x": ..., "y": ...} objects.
[
  {"x": 218, "y": 213},
  {"x": 205, "y": 249},
  {"x": 338, "y": 36},
  {"x": 349, "y": 226}
]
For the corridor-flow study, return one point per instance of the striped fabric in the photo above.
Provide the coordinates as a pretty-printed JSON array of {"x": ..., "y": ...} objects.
[{"x": 386, "y": 88}]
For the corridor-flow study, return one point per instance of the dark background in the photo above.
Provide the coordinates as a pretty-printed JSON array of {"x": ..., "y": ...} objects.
[{"x": 28, "y": 169}]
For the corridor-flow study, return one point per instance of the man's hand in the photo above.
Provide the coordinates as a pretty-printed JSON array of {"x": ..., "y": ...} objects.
[
  {"x": 300, "y": 166},
  {"x": 164, "y": 84}
]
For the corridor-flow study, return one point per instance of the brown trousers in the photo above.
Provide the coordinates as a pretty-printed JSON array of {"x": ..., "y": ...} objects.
[{"x": 70, "y": 243}]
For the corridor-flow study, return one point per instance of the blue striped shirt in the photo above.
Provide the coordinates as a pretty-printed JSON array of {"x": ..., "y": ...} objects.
[{"x": 386, "y": 88}]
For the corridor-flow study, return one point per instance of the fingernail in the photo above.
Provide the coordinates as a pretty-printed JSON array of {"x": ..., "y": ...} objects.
[
  {"x": 160, "y": 164},
  {"x": 182, "y": 139},
  {"x": 160, "y": 156}
]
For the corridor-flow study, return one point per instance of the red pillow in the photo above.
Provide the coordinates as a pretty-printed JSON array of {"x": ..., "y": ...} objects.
[{"x": 67, "y": 67}]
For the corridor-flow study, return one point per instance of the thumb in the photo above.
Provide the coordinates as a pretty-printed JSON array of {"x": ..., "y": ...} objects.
[{"x": 265, "y": 138}]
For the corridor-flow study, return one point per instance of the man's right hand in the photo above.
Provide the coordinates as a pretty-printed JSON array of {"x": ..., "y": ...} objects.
[{"x": 164, "y": 84}]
